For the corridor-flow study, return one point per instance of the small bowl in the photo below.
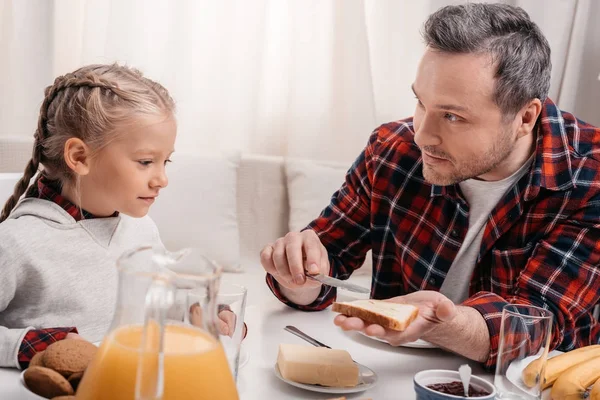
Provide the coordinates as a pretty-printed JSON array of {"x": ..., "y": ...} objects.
[{"x": 429, "y": 377}]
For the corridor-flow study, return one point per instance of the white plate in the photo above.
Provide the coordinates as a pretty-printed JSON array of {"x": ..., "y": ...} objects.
[
  {"x": 513, "y": 373},
  {"x": 367, "y": 379},
  {"x": 417, "y": 344}
]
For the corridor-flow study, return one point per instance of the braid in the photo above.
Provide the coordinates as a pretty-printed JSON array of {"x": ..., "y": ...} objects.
[
  {"x": 60, "y": 84},
  {"x": 22, "y": 185}
]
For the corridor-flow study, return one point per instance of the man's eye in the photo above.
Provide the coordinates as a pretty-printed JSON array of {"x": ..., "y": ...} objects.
[
  {"x": 145, "y": 163},
  {"x": 451, "y": 117},
  {"x": 167, "y": 161},
  {"x": 419, "y": 102}
]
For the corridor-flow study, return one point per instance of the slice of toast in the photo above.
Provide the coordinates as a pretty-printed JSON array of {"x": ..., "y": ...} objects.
[{"x": 390, "y": 315}]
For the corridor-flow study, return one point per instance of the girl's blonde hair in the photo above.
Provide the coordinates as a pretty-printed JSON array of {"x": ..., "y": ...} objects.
[{"x": 89, "y": 104}]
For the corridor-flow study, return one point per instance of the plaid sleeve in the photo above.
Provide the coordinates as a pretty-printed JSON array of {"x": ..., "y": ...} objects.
[
  {"x": 563, "y": 276},
  {"x": 37, "y": 340}
]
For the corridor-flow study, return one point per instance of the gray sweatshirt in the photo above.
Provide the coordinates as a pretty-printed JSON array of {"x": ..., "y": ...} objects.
[{"x": 56, "y": 272}]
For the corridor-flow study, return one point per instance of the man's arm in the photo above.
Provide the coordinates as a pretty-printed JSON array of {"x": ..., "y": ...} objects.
[
  {"x": 343, "y": 228},
  {"x": 562, "y": 275}
]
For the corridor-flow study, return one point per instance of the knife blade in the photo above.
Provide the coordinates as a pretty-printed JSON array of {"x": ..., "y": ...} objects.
[{"x": 338, "y": 283}]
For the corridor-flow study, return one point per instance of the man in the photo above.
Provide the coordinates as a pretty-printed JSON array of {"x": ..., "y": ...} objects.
[{"x": 489, "y": 195}]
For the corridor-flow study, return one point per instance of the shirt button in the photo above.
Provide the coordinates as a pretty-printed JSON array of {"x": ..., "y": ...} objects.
[
  {"x": 432, "y": 281},
  {"x": 454, "y": 233}
]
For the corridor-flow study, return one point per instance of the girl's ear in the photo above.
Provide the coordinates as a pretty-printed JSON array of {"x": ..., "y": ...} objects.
[{"x": 77, "y": 156}]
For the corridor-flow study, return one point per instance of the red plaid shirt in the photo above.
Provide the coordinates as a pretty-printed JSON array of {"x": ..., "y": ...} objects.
[
  {"x": 37, "y": 340},
  {"x": 541, "y": 244}
]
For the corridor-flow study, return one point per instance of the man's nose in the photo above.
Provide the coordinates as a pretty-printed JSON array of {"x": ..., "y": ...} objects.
[{"x": 425, "y": 133}]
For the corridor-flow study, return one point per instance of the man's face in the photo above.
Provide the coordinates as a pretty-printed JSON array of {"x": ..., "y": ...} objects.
[{"x": 458, "y": 127}]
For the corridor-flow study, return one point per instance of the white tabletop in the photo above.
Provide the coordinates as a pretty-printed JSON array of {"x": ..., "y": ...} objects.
[{"x": 266, "y": 317}]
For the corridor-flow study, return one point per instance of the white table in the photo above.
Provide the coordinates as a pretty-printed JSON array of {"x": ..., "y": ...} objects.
[{"x": 266, "y": 317}]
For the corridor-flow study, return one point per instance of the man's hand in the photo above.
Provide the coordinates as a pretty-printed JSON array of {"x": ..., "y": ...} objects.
[
  {"x": 434, "y": 309},
  {"x": 459, "y": 329},
  {"x": 290, "y": 258}
]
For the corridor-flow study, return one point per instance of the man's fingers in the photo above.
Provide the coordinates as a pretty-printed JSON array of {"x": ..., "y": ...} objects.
[
  {"x": 293, "y": 252},
  {"x": 314, "y": 249},
  {"x": 313, "y": 257},
  {"x": 375, "y": 330},
  {"x": 353, "y": 324},
  {"x": 339, "y": 319},
  {"x": 280, "y": 261},
  {"x": 266, "y": 259}
]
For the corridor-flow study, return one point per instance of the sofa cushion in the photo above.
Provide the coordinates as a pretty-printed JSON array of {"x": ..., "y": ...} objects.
[
  {"x": 199, "y": 207},
  {"x": 263, "y": 209},
  {"x": 15, "y": 152},
  {"x": 310, "y": 187}
]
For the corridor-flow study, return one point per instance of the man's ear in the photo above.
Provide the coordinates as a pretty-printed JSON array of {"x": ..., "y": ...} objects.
[
  {"x": 77, "y": 156},
  {"x": 528, "y": 116}
]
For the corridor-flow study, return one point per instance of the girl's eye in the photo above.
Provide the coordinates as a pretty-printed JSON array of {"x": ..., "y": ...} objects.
[
  {"x": 167, "y": 161},
  {"x": 451, "y": 117},
  {"x": 145, "y": 163}
]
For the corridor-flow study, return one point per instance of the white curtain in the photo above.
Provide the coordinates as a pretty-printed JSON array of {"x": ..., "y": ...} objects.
[{"x": 302, "y": 78}]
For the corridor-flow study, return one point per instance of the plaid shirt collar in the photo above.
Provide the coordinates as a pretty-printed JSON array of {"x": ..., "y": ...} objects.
[
  {"x": 50, "y": 190},
  {"x": 552, "y": 151}
]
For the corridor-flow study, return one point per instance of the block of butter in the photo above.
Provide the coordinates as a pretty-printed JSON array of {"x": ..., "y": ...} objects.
[{"x": 317, "y": 365}]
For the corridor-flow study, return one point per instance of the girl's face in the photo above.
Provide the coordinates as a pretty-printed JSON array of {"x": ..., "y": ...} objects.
[{"x": 128, "y": 174}]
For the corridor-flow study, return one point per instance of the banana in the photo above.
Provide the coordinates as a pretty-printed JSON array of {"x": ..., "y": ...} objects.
[
  {"x": 557, "y": 365},
  {"x": 573, "y": 383},
  {"x": 595, "y": 392}
]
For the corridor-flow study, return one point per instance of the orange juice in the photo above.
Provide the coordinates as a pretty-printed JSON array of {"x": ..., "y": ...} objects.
[{"x": 195, "y": 366}]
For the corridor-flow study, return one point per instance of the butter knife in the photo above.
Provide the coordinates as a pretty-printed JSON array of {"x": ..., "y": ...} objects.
[{"x": 338, "y": 283}]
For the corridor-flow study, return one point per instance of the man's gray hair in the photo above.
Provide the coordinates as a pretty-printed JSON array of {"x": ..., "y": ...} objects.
[{"x": 518, "y": 48}]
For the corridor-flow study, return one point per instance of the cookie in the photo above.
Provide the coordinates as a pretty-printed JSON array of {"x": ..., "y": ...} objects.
[
  {"x": 46, "y": 383},
  {"x": 75, "y": 379},
  {"x": 36, "y": 360},
  {"x": 69, "y": 356}
]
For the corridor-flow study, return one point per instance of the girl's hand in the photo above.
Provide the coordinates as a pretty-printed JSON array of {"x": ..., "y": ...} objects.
[
  {"x": 74, "y": 336},
  {"x": 225, "y": 323}
]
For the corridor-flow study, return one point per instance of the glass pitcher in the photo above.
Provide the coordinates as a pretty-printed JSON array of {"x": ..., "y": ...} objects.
[{"x": 163, "y": 343}]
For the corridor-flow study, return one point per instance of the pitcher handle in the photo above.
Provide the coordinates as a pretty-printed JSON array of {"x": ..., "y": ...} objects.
[{"x": 150, "y": 372}]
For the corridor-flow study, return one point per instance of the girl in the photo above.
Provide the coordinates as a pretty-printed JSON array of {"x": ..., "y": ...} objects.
[{"x": 104, "y": 136}]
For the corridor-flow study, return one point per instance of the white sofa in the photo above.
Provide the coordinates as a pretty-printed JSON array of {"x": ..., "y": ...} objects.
[{"x": 230, "y": 205}]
